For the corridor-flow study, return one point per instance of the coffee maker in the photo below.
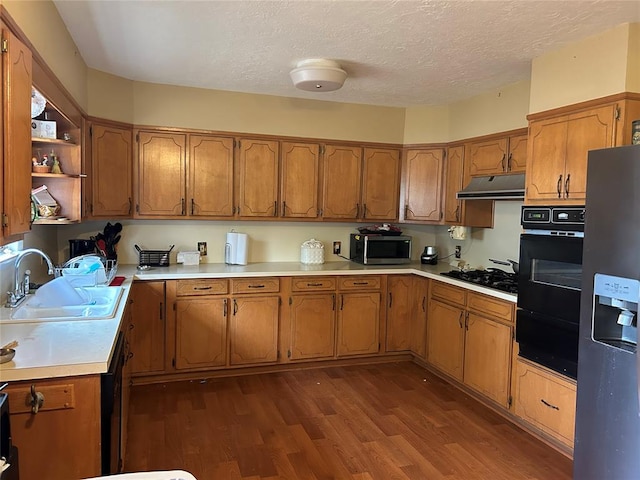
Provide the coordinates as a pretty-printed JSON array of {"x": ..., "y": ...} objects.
[{"x": 80, "y": 246}]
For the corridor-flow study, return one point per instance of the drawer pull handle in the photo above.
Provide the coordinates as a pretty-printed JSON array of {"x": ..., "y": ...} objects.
[
  {"x": 37, "y": 400},
  {"x": 549, "y": 405},
  {"x": 314, "y": 284},
  {"x": 361, "y": 283},
  {"x": 203, "y": 288},
  {"x": 256, "y": 286}
]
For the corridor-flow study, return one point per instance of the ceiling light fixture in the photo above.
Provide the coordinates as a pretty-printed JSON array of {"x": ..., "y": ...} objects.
[{"x": 318, "y": 75}]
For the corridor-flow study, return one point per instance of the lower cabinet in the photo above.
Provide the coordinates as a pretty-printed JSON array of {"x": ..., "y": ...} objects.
[
  {"x": 470, "y": 338},
  {"x": 201, "y": 333},
  {"x": 253, "y": 330},
  {"x": 66, "y": 427},
  {"x": 148, "y": 317},
  {"x": 399, "y": 313},
  {"x": 420, "y": 300},
  {"x": 358, "y": 329},
  {"x": 546, "y": 400}
]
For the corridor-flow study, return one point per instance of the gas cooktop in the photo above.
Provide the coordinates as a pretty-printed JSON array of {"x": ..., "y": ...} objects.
[{"x": 492, "y": 278}]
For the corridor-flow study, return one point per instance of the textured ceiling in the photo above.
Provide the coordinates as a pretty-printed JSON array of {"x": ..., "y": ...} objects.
[{"x": 396, "y": 53}]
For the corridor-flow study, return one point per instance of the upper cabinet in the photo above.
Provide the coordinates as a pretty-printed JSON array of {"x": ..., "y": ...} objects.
[
  {"x": 454, "y": 176},
  {"x": 16, "y": 139},
  {"x": 360, "y": 184},
  {"x": 422, "y": 184},
  {"x": 300, "y": 180},
  {"x": 111, "y": 192},
  {"x": 497, "y": 155},
  {"x": 257, "y": 178},
  {"x": 210, "y": 176}
]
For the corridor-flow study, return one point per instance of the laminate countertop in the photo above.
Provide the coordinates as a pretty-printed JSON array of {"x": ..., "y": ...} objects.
[{"x": 50, "y": 349}]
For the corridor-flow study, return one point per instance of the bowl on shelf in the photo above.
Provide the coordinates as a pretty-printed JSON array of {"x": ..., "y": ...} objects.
[
  {"x": 48, "y": 210},
  {"x": 41, "y": 169}
]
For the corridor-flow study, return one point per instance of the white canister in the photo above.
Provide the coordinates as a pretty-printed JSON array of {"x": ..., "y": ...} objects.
[{"x": 312, "y": 252}]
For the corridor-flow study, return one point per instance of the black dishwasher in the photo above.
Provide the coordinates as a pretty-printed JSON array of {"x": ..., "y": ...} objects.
[
  {"x": 8, "y": 451},
  {"x": 111, "y": 410}
]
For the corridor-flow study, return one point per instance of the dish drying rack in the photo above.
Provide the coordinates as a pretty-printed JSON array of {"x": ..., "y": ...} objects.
[{"x": 75, "y": 270}]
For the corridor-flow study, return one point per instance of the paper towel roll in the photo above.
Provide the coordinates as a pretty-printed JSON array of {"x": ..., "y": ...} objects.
[{"x": 235, "y": 250}]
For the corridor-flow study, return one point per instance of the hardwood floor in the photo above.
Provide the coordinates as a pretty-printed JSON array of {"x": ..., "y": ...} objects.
[{"x": 388, "y": 421}]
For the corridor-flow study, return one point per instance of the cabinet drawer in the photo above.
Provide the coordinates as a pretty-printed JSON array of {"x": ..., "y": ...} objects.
[
  {"x": 57, "y": 396},
  {"x": 449, "y": 293},
  {"x": 491, "y": 306},
  {"x": 360, "y": 282},
  {"x": 215, "y": 286},
  {"x": 255, "y": 285},
  {"x": 546, "y": 400},
  {"x": 306, "y": 284}
]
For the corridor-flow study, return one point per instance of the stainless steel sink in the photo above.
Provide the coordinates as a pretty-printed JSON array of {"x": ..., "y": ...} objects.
[{"x": 102, "y": 303}]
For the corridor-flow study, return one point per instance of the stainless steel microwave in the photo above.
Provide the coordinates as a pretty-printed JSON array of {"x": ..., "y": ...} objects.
[{"x": 375, "y": 249}]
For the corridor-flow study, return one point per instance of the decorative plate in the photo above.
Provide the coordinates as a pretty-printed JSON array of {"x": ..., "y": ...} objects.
[{"x": 38, "y": 102}]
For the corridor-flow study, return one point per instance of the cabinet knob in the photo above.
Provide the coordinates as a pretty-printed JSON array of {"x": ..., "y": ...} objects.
[{"x": 36, "y": 401}]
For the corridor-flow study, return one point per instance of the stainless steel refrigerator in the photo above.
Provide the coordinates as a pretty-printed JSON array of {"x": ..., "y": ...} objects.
[{"x": 607, "y": 441}]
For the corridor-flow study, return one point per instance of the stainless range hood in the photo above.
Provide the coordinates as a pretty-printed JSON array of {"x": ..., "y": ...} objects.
[{"x": 497, "y": 187}]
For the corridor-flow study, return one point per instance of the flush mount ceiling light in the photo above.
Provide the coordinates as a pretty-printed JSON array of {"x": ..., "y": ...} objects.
[{"x": 318, "y": 75}]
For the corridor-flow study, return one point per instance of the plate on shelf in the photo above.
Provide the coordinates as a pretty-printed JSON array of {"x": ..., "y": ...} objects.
[{"x": 38, "y": 103}]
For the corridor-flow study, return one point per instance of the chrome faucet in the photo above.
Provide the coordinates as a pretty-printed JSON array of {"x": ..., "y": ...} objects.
[{"x": 19, "y": 287}]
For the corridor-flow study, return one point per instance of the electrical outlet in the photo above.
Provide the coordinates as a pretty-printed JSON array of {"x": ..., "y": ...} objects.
[
  {"x": 458, "y": 251},
  {"x": 202, "y": 248},
  {"x": 336, "y": 247}
]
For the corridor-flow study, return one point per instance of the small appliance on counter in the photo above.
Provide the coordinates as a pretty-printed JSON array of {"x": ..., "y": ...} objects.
[
  {"x": 235, "y": 249},
  {"x": 380, "y": 249},
  {"x": 312, "y": 252},
  {"x": 429, "y": 256}
]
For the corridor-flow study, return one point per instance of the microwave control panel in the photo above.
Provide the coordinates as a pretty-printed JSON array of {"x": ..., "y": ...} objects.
[{"x": 553, "y": 218}]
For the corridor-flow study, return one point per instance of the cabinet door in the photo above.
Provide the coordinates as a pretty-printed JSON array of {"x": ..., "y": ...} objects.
[
  {"x": 16, "y": 100},
  {"x": 487, "y": 158},
  {"x": 454, "y": 175},
  {"x": 445, "y": 338},
  {"x": 517, "y": 159},
  {"x": 253, "y": 330},
  {"x": 590, "y": 130},
  {"x": 342, "y": 182},
  {"x": 358, "y": 324},
  {"x": 300, "y": 180},
  {"x": 201, "y": 333},
  {"x": 127, "y": 326},
  {"x": 546, "y": 155},
  {"x": 161, "y": 174},
  {"x": 210, "y": 191},
  {"x": 423, "y": 185},
  {"x": 61, "y": 441},
  {"x": 111, "y": 171},
  {"x": 399, "y": 311},
  {"x": 420, "y": 300},
  {"x": 258, "y": 177},
  {"x": 148, "y": 332},
  {"x": 487, "y": 358},
  {"x": 380, "y": 184},
  {"x": 313, "y": 326}
]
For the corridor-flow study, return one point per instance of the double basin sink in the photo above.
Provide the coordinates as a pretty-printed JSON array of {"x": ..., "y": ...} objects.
[{"x": 99, "y": 302}]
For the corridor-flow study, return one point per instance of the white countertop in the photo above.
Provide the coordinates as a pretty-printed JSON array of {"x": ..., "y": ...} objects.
[{"x": 84, "y": 347}]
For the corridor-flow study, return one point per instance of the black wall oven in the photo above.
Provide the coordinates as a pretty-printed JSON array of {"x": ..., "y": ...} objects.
[{"x": 549, "y": 285}]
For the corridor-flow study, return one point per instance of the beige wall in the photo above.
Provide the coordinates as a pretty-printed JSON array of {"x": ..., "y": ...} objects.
[
  {"x": 427, "y": 124},
  {"x": 592, "y": 68},
  {"x": 633, "y": 59},
  {"x": 109, "y": 96},
  {"x": 41, "y": 23}
]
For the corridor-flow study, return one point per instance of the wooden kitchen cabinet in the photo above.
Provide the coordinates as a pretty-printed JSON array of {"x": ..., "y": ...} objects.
[
  {"x": 257, "y": 178},
  {"x": 111, "y": 171},
  {"x": 66, "y": 428},
  {"x": 300, "y": 180},
  {"x": 358, "y": 328},
  {"x": 497, "y": 155},
  {"x": 15, "y": 190},
  {"x": 470, "y": 337},
  {"x": 342, "y": 167},
  {"x": 253, "y": 330},
  {"x": 558, "y": 147},
  {"x": 148, "y": 316},
  {"x": 160, "y": 174},
  {"x": 380, "y": 184},
  {"x": 399, "y": 313},
  {"x": 210, "y": 176},
  {"x": 422, "y": 179},
  {"x": 546, "y": 400},
  {"x": 312, "y": 317},
  {"x": 420, "y": 301}
]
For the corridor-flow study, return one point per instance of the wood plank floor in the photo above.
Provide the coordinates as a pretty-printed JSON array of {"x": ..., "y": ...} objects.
[{"x": 389, "y": 421}]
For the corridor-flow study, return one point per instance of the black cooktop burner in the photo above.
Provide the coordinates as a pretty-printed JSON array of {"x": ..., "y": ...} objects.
[{"x": 492, "y": 278}]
